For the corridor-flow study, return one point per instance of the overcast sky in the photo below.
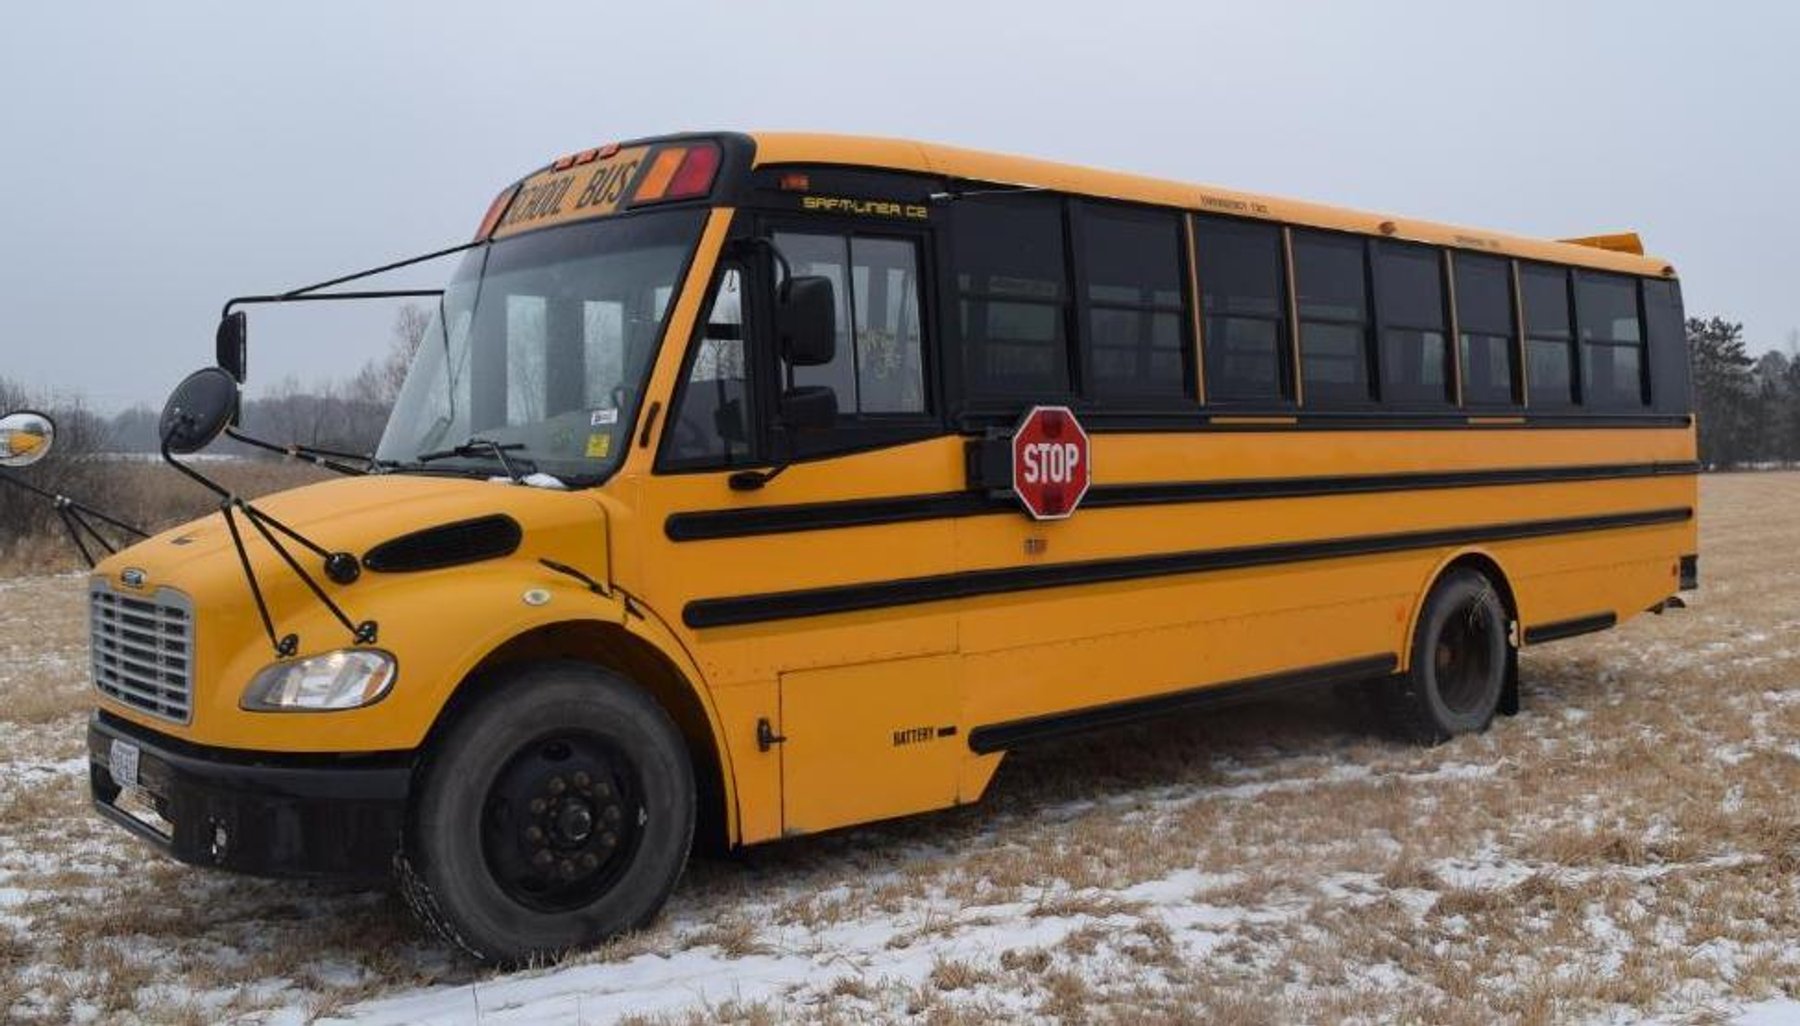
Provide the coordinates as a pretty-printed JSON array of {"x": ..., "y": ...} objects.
[{"x": 158, "y": 158}]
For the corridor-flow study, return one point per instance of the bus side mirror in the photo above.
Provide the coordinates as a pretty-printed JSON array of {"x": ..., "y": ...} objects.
[
  {"x": 198, "y": 411},
  {"x": 809, "y": 408},
  {"x": 25, "y": 438},
  {"x": 806, "y": 321},
  {"x": 232, "y": 345}
]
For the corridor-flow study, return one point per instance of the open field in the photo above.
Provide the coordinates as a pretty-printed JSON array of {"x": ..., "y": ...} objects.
[
  {"x": 143, "y": 492},
  {"x": 1627, "y": 848}
]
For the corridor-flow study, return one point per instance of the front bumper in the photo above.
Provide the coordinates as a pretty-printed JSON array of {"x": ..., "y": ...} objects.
[{"x": 267, "y": 814}]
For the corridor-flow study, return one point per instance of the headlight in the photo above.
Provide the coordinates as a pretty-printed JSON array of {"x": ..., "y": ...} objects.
[{"x": 346, "y": 679}]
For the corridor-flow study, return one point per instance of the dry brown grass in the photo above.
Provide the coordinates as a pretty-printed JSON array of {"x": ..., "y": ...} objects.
[
  {"x": 152, "y": 496},
  {"x": 1629, "y": 846}
]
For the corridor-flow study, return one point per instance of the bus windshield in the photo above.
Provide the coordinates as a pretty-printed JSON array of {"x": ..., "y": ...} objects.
[{"x": 535, "y": 357}]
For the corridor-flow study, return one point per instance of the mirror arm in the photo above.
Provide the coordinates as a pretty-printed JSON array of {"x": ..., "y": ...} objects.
[
  {"x": 767, "y": 245},
  {"x": 300, "y": 293},
  {"x": 63, "y": 502},
  {"x": 69, "y": 522},
  {"x": 340, "y": 567},
  {"x": 306, "y": 453},
  {"x": 192, "y": 474},
  {"x": 289, "y": 297},
  {"x": 287, "y": 644}
]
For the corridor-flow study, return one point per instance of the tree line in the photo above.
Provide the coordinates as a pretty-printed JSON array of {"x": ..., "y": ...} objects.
[
  {"x": 345, "y": 415},
  {"x": 1748, "y": 408}
]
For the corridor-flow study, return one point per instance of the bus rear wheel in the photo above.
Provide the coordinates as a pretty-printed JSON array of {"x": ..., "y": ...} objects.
[
  {"x": 1457, "y": 672},
  {"x": 555, "y": 814}
]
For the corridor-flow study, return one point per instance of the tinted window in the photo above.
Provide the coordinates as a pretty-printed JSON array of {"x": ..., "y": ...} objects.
[
  {"x": 711, "y": 424},
  {"x": 1328, "y": 277},
  {"x": 879, "y": 364},
  {"x": 1007, "y": 258},
  {"x": 890, "y": 365},
  {"x": 1245, "y": 313},
  {"x": 1131, "y": 267},
  {"x": 1547, "y": 368},
  {"x": 1545, "y": 291},
  {"x": 1484, "y": 315},
  {"x": 1409, "y": 291},
  {"x": 1409, "y": 285},
  {"x": 1550, "y": 341},
  {"x": 1607, "y": 308},
  {"x": 1612, "y": 340},
  {"x": 1331, "y": 289},
  {"x": 1669, "y": 373}
]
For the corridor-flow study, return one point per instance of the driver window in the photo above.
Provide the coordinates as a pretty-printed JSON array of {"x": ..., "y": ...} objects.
[{"x": 711, "y": 426}]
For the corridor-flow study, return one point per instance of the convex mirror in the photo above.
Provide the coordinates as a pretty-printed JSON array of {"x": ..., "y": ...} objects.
[
  {"x": 25, "y": 438},
  {"x": 199, "y": 410}
]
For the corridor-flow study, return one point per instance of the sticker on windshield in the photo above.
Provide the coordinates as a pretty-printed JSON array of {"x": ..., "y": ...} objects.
[
  {"x": 599, "y": 445},
  {"x": 603, "y": 417}
]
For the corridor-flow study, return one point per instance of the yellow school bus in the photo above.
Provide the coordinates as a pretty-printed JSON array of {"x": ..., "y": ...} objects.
[{"x": 702, "y": 515}]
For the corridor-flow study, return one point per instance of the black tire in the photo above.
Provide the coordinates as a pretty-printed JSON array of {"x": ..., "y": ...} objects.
[
  {"x": 556, "y": 813},
  {"x": 1457, "y": 672}
]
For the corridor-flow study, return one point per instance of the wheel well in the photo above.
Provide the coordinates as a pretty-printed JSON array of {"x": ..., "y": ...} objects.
[
  {"x": 616, "y": 649},
  {"x": 1485, "y": 565}
]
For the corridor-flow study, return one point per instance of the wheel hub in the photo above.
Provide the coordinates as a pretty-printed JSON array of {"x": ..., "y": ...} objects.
[
  {"x": 1463, "y": 660},
  {"x": 575, "y": 821},
  {"x": 556, "y": 834}
]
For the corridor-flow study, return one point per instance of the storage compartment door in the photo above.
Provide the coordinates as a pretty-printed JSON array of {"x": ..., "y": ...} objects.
[{"x": 869, "y": 742}]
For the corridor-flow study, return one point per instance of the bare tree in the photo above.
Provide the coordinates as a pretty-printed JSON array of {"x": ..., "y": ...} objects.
[{"x": 410, "y": 324}]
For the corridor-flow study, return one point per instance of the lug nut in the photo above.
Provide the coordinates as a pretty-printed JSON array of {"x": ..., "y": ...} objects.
[
  {"x": 538, "y": 805},
  {"x": 567, "y": 869},
  {"x": 534, "y": 835},
  {"x": 582, "y": 780},
  {"x": 603, "y": 789},
  {"x": 609, "y": 839},
  {"x": 612, "y": 814},
  {"x": 589, "y": 860},
  {"x": 542, "y": 860},
  {"x": 557, "y": 786}
]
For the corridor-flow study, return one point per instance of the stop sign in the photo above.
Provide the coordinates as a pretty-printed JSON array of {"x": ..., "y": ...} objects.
[{"x": 1050, "y": 465}]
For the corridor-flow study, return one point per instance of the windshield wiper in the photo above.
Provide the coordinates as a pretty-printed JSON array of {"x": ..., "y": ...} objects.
[{"x": 484, "y": 447}]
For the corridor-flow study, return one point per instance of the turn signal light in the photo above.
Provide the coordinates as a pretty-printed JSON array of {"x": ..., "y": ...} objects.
[{"x": 495, "y": 211}]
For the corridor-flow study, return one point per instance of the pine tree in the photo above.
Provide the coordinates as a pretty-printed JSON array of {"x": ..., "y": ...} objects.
[{"x": 1723, "y": 390}]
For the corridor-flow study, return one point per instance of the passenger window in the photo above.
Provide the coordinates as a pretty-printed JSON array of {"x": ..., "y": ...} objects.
[
  {"x": 711, "y": 426},
  {"x": 1415, "y": 358},
  {"x": 1244, "y": 311},
  {"x": 1549, "y": 341},
  {"x": 1331, "y": 291},
  {"x": 1136, "y": 335},
  {"x": 1484, "y": 316},
  {"x": 526, "y": 359},
  {"x": 1612, "y": 340},
  {"x": 879, "y": 367},
  {"x": 1007, "y": 258}
]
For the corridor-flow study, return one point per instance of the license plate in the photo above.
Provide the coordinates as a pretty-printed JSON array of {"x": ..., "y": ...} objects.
[{"x": 122, "y": 762}]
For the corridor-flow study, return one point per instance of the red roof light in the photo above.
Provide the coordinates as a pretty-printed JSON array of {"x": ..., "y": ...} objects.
[{"x": 695, "y": 175}]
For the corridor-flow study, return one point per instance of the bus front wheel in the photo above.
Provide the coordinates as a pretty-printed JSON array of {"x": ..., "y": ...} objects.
[
  {"x": 555, "y": 814},
  {"x": 1457, "y": 671}
]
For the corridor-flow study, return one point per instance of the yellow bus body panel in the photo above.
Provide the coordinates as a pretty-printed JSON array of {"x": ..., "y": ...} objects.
[{"x": 839, "y": 717}]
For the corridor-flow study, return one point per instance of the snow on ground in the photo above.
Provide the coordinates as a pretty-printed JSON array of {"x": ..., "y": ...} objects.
[{"x": 1627, "y": 850}]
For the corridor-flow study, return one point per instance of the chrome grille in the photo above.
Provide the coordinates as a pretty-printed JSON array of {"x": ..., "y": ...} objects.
[{"x": 143, "y": 649}]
